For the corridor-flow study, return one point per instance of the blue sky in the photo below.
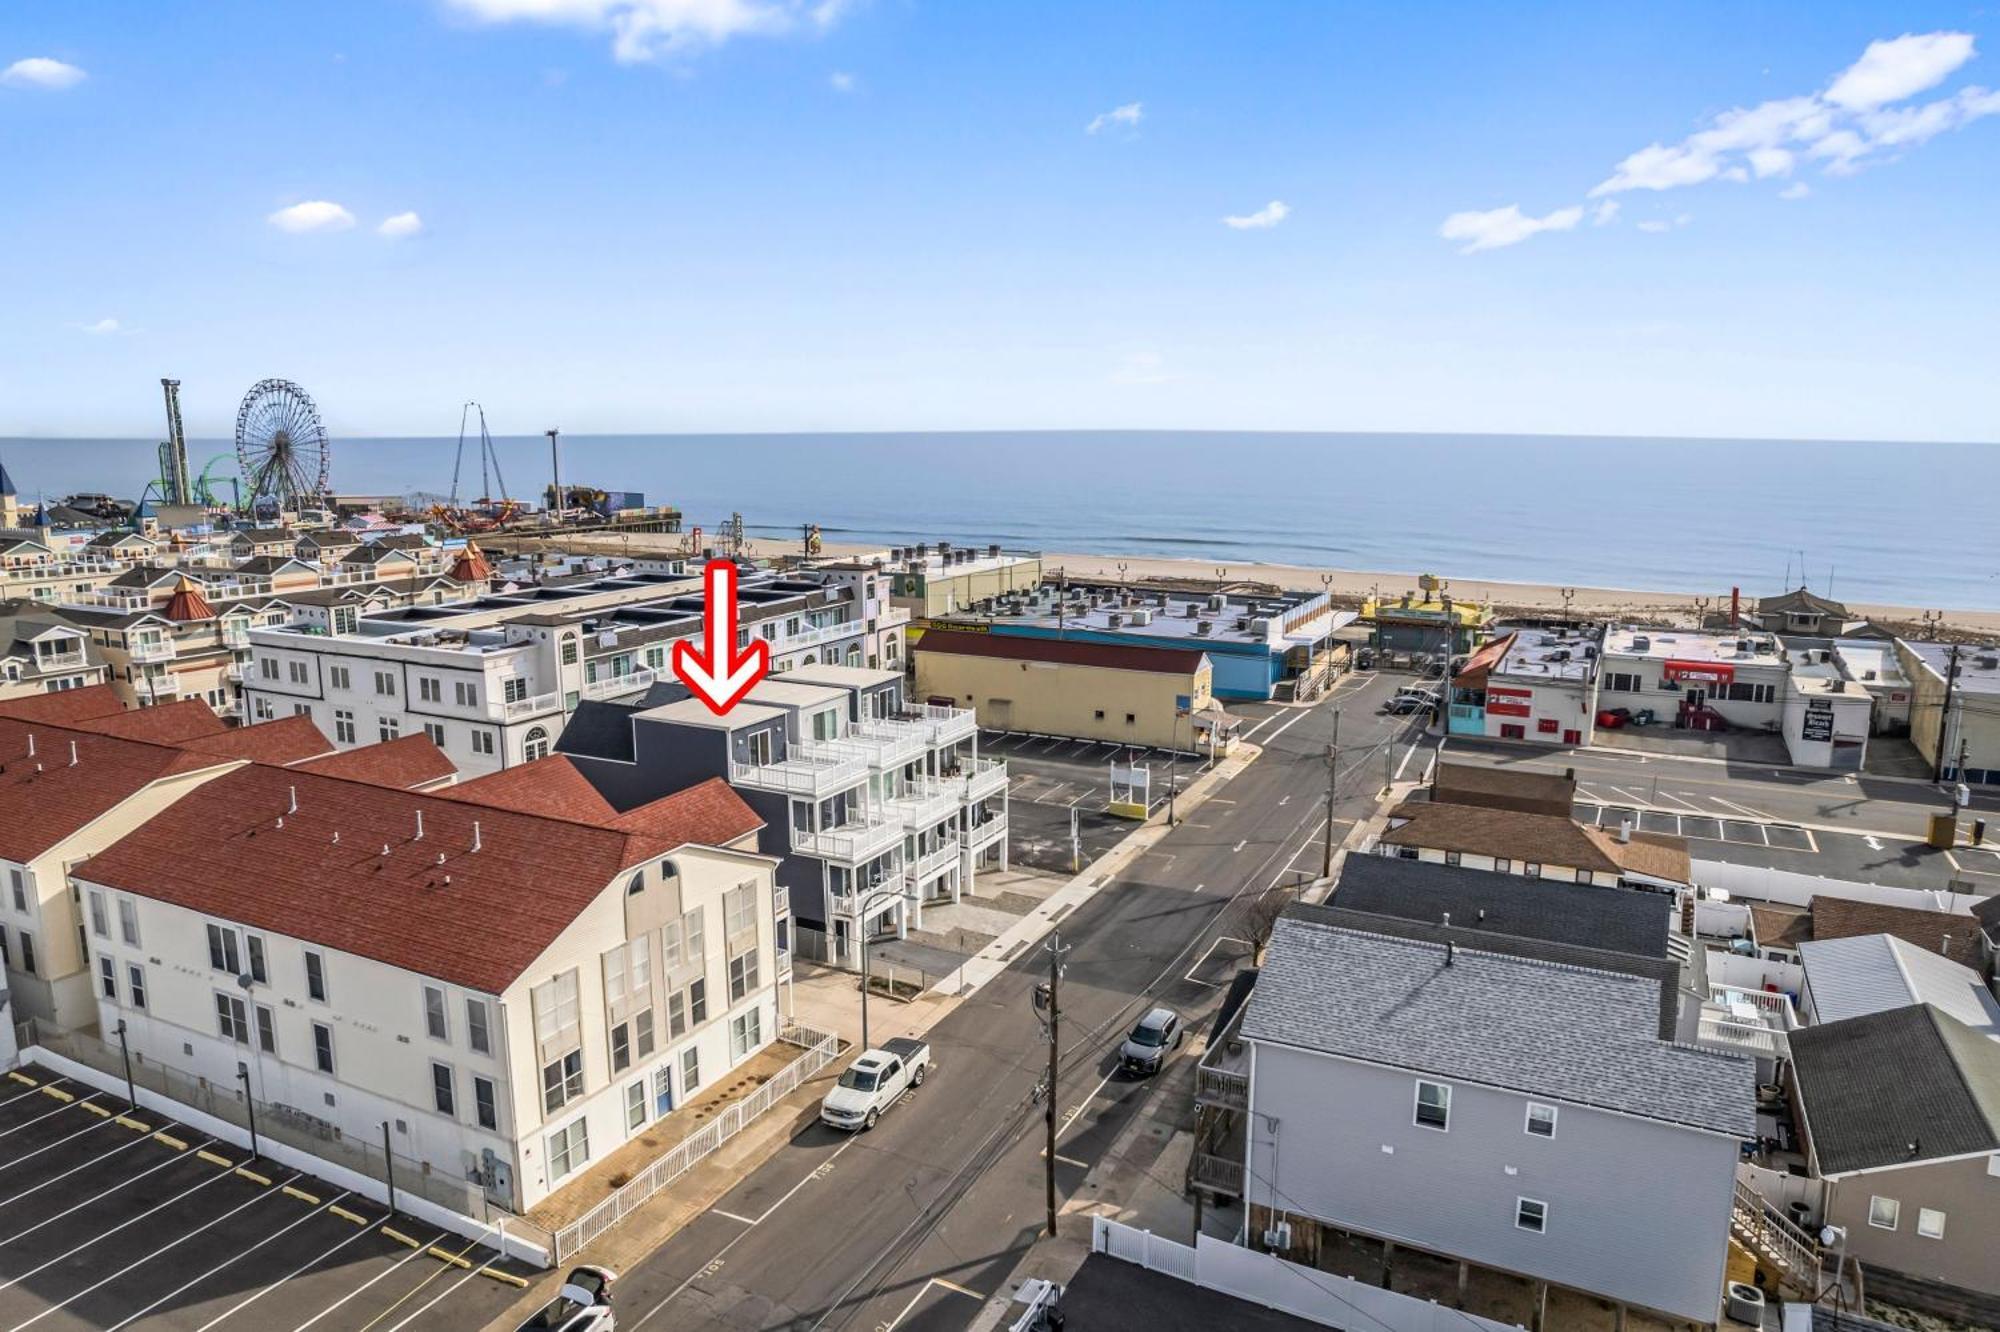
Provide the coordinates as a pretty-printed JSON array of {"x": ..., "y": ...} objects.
[{"x": 695, "y": 215}]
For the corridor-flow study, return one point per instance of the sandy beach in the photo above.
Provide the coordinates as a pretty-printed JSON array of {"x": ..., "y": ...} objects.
[{"x": 1353, "y": 585}]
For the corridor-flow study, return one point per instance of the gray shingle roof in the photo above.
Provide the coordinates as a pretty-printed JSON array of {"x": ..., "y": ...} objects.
[
  {"x": 1544, "y": 1028},
  {"x": 1896, "y": 1087},
  {"x": 1619, "y": 919}
]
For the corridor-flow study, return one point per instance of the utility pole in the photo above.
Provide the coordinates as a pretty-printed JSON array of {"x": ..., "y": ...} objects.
[
  {"x": 1053, "y": 1005},
  {"x": 1332, "y": 789},
  {"x": 555, "y": 477},
  {"x": 1944, "y": 718}
]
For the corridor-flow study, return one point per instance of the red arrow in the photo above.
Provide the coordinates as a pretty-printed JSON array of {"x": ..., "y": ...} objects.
[{"x": 720, "y": 676}]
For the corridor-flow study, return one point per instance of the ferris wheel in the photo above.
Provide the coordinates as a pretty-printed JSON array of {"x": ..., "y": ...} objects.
[{"x": 281, "y": 446}]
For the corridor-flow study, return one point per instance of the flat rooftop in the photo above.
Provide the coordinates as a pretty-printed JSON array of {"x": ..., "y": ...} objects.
[
  {"x": 1550, "y": 654},
  {"x": 694, "y": 712},
  {"x": 1871, "y": 662},
  {"x": 842, "y": 677},
  {"x": 1978, "y": 666},
  {"x": 1175, "y": 617},
  {"x": 784, "y": 691},
  {"x": 1745, "y": 649}
]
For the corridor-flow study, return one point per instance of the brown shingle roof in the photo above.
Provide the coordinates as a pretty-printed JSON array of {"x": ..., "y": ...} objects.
[
  {"x": 552, "y": 786},
  {"x": 166, "y": 724},
  {"x": 45, "y": 798},
  {"x": 1839, "y": 918},
  {"x": 1069, "y": 651},
  {"x": 479, "y": 919},
  {"x": 412, "y": 761},
  {"x": 65, "y": 707},
  {"x": 1543, "y": 839},
  {"x": 1780, "y": 926},
  {"x": 286, "y": 740},
  {"x": 1504, "y": 788}
]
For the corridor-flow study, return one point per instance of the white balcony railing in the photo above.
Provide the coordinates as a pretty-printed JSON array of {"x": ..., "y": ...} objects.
[
  {"x": 1720, "y": 1032},
  {"x": 944, "y": 725},
  {"x": 160, "y": 649},
  {"x": 609, "y": 686},
  {"x": 987, "y": 833},
  {"x": 1766, "y": 1007},
  {"x": 810, "y": 637},
  {"x": 853, "y": 844},
  {"x": 983, "y": 778},
  {"x": 927, "y": 867},
  {"x": 889, "y": 744},
  {"x": 807, "y": 769},
  {"x": 926, "y": 804},
  {"x": 156, "y": 687},
  {"x": 58, "y": 661},
  {"x": 523, "y": 708}
]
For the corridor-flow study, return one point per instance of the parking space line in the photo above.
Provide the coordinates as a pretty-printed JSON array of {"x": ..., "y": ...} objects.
[
  {"x": 419, "y": 1312},
  {"x": 212, "y": 1179},
  {"x": 390, "y": 1270},
  {"x": 309, "y": 1264},
  {"x": 100, "y": 1157},
  {"x": 137, "y": 1262},
  {"x": 1214, "y": 943},
  {"x": 29, "y": 1123},
  {"x": 1744, "y": 809},
  {"x": 733, "y": 1216},
  {"x": 924, "y": 1290},
  {"x": 230, "y": 1261},
  {"x": 29, "y": 1156}
]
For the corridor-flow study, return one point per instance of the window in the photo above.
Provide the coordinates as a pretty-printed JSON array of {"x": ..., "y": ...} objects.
[
  {"x": 258, "y": 972},
  {"x": 6, "y": 957},
  {"x": 1740, "y": 692},
  {"x": 107, "y": 978},
  {"x": 1531, "y": 869},
  {"x": 562, "y": 1080},
  {"x": 265, "y": 710},
  {"x": 476, "y": 1033},
  {"x": 621, "y": 1047},
  {"x": 388, "y": 728},
  {"x": 1930, "y": 1223},
  {"x": 337, "y": 677},
  {"x": 677, "y": 1017},
  {"x": 1583, "y": 876},
  {"x": 513, "y": 689},
  {"x": 222, "y": 951},
  {"x": 135, "y": 984},
  {"x": 267, "y": 1029},
  {"x": 385, "y": 683},
  {"x": 1530, "y": 1214},
  {"x": 635, "y": 1106},
  {"x": 100, "y": 920},
  {"x": 742, "y": 975},
  {"x": 697, "y": 1002},
  {"x": 482, "y": 742},
  {"x": 1541, "y": 1120},
  {"x": 434, "y": 1020},
  {"x": 1621, "y": 682},
  {"x": 1502, "y": 865},
  {"x": 690, "y": 1070},
  {"x": 1453, "y": 858},
  {"x": 739, "y": 909},
  {"x": 27, "y": 952},
  {"x": 1884, "y": 1213},
  {"x": 435, "y": 730},
  {"x": 20, "y": 888},
  {"x": 443, "y": 1096},
  {"x": 231, "y": 1019},
  {"x": 569, "y": 1148},
  {"x": 267, "y": 667},
  {"x": 343, "y": 726},
  {"x": 128, "y": 921},
  {"x": 315, "y": 977},
  {"x": 746, "y": 1033},
  {"x": 297, "y": 671},
  {"x": 535, "y": 745},
  {"x": 1433, "y": 1105},
  {"x": 485, "y": 1106},
  {"x": 430, "y": 689},
  {"x": 1546, "y": 725},
  {"x": 642, "y": 1032},
  {"x": 1097, "y": 714},
  {"x": 465, "y": 693},
  {"x": 569, "y": 652},
  {"x": 1131, "y": 718}
]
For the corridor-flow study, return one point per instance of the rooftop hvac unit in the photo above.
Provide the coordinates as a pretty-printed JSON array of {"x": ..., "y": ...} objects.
[
  {"x": 1217, "y": 602},
  {"x": 1242, "y": 623},
  {"x": 993, "y": 551},
  {"x": 1641, "y": 643},
  {"x": 1868, "y": 675},
  {"x": 1259, "y": 625},
  {"x": 1986, "y": 663},
  {"x": 1560, "y": 654},
  {"x": 1193, "y": 610},
  {"x": 1204, "y": 626},
  {"x": 1590, "y": 652},
  {"x": 1142, "y": 616},
  {"x": 1114, "y": 620}
]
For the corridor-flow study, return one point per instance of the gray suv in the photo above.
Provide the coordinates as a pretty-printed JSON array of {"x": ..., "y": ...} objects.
[{"x": 1146, "y": 1048}]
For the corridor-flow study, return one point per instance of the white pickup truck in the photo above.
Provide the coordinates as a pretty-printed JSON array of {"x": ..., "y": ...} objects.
[{"x": 873, "y": 1082}]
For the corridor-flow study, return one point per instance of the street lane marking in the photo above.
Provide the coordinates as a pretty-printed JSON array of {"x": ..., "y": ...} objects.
[
  {"x": 733, "y": 1216},
  {"x": 1065, "y": 1160},
  {"x": 1745, "y": 809},
  {"x": 922, "y": 1291},
  {"x": 1213, "y": 944},
  {"x": 1239, "y": 846}
]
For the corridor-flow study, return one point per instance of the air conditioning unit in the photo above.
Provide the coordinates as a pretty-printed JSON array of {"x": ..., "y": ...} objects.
[
  {"x": 1217, "y": 602},
  {"x": 1746, "y": 1304},
  {"x": 1142, "y": 616},
  {"x": 1280, "y": 1237},
  {"x": 1114, "y": 620},
  {"x": 1259, "y": 625},
  {"x": 1641, "y": 643},
  {"x": 1204, "y": 627}
]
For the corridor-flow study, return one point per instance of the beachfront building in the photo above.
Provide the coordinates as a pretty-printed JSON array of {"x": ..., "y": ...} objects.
[
  {"x": 1874, "y": 665},
  {"x": 1259, "y": 645},
  {"x": 1113, "y": 693},
  {"x": 1427, "y": 623},
  {"x": 1955, "y": 707},
  {"x": 515, "y": 991},
  {"x": 931, "y": 580},
  {"x": 41, "y": 655},
  {"x": 1826, "y": 718},
  {"x": 873, "y": 808},
  {"x": 1529, "y": 684},
  {"x": 1695, "y": 680},
  {"x": 494, "y": 678}
]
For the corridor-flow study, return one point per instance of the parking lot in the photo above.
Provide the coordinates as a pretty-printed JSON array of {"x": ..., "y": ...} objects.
[
  {"x": 1048, "y": 778},
  {"x": 111, "y": 1220}
]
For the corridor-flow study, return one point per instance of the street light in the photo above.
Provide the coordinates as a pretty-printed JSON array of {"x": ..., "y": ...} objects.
[
  {"x": 131, "y": 1095},
  {"x": 249, "y": 1105},
  {"x": 245, "y": 982},
  {"x": 861, "y": 921}
]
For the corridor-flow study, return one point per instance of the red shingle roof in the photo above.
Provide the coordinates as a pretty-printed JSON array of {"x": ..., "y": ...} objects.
[
  {"x": 478, "y": 919},
  {"x": 414, "y": 760},
  {"x": 552, "y": 786},
  {"x": 45, "y": 798},
  {"x": 709, "y": 814},
  {"x": 65, "y": 707},
  {"x": 167, "y": 724},
  {"x": 187, "y": 603},
  {"x": 286, "y": 740},
  {"x": 1069, "y": 651}
]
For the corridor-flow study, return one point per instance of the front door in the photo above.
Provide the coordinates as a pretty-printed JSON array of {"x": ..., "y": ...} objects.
[{"x": 1697, "y": 697}]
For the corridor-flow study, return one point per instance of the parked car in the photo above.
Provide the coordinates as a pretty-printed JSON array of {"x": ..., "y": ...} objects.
[
  {"x": 873, "y": 1082},
  {"x": 1364, "y": 660},
  {"x": 1613, "y": 718},
  {"x": 1411, "y": 699},
  {"x": 1151, "y": 1040},
  {"x": 583, "y": 1304}
]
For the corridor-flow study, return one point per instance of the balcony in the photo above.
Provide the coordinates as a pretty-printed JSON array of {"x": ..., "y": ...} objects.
[
  {"x": 807, "y": 770},
  {"x": 853, "y": 844},
  {"x": 1217, "y": 1174},
  {"x": 986, "y": 834},
  {"x": 925, "y": 805},
  {"x": 888, "y": 744},
  {"x": 927, "y": 867},
  {"x": 152, "y": 649},
  {"x": 983, "y": 778},
  {"x": 1223, "y": 1088},
  {"x": 523, "y": 708},
  {"x": 236, "y": 637},
  {"x": 233, "y": 672},
  {"x": 610, "y": 686},
  {"x": 806, "y": 638},
  {"x": 59, "y": 661},
  {"x": 943, "y": 725},
  {"x": 157, "y": 688}
]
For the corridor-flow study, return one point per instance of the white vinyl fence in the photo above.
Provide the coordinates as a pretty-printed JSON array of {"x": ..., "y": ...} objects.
[
  {"x": 821, "y": 1048},
  {"x": 1261, "y": 1278}
]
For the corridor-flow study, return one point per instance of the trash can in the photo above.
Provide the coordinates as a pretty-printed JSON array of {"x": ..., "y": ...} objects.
[
  {"x": 1944, "y": 831},
  {"x": 1979, "y": 832}
]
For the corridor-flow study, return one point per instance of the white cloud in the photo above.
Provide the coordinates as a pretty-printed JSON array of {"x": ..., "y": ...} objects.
[
  {"x": 1498, "y": 227},
  {"x": 1605, "y": 213},
  {"x": 1127, "y": 116},
  {"x": 841, "y": 81},
  {"x": 1798, "y": 189},
  {"x": 41, "y": 72},
  {"x": 643, "y": 30},
  {"x": 1771, "y": 161},
  {"x": 313, "y": 215},
  {"x": 1889, "y": 71},
  {"x": 104, "y": 328},
  {"x": 1270, "y": 215},
  {"x": 400, "y": 226},
  {"x": 1656, "y": 225}
]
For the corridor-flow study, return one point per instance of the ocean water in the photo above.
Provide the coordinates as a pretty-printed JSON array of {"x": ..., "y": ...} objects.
[{"x": 1906, "y": 524}]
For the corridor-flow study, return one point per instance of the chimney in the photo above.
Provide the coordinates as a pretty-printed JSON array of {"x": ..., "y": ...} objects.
[
  {"x": 31, "y": 744},
  {"x": 475, "y": 834},
  {"x": 420, "y": 825},
  {"x": 72, "y": 753},
  {"x": 1735, "y": 607},
  {"x": 293, "y": 807},
  {"x": 1624, "y": 831}
]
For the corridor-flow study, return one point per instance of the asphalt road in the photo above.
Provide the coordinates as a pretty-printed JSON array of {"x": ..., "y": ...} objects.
[{"x": 913, "y": 1225}]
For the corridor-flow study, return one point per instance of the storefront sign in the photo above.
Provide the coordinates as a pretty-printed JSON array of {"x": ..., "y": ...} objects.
[
  {"x": 1819, "y": 725},
  {"x": 1698, "y": 672},
  {"x": 1509, "y": 702}
]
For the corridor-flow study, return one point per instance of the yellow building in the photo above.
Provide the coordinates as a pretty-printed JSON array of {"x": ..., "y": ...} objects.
[
  {"x": 929, "y": 582},
  {"x": 1160, "y": 697}
]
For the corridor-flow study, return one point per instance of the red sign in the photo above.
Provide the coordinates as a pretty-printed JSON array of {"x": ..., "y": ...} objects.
[
  {"x": 1509, "y": 702},
  {"x": 1699, "y": 672}
]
